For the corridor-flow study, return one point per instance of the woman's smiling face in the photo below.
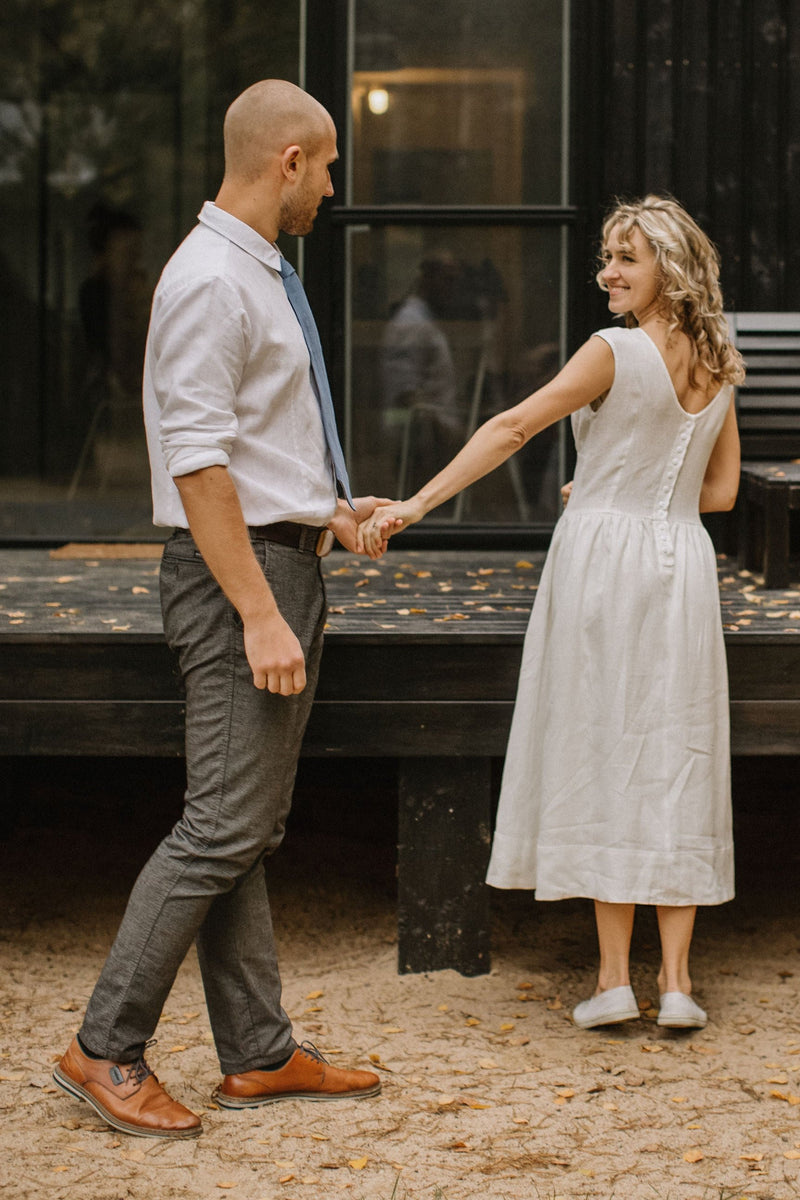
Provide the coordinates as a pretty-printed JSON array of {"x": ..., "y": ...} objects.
[{"x": 630, "y": 273}]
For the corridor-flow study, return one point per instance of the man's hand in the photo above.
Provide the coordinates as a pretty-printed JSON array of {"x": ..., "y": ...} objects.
[
  {"x": 275, "y": 655},
  {"x": 215, "y": 519},
  {"x": 346, "y": 521}
]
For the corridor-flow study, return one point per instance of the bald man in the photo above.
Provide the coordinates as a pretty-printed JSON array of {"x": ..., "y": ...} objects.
[{"x": 244, "y": 470}]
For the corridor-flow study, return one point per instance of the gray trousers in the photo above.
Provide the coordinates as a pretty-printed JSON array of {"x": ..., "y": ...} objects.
[{"x": 206, "y": 882}]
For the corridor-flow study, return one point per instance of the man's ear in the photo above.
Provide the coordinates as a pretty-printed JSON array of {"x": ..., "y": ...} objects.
[{"x": 292, "y": 163}]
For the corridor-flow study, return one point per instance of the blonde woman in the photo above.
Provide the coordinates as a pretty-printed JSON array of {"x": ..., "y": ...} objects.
[{"x": 617, "y": 777}]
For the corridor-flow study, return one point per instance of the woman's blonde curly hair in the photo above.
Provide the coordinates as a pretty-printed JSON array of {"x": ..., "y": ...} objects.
[{"x": 688, "y": 266}]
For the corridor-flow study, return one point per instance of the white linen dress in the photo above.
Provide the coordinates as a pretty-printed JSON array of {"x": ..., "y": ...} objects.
[{"x": 617, "y": 777}]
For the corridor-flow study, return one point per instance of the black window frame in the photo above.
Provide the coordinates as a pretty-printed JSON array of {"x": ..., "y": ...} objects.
[{"x": 327, "y": 78}]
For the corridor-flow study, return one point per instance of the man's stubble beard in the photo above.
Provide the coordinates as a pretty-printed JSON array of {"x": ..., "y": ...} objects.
[{"x": 296, "y": 218}]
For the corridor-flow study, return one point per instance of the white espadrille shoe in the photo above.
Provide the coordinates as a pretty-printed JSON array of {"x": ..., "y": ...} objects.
[
  {"x": 606, "y": 1008},
  {"x": 679, "y": 1011}
]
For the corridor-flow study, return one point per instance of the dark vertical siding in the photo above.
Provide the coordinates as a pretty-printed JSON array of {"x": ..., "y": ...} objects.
[{"x": 703, "y": 100}]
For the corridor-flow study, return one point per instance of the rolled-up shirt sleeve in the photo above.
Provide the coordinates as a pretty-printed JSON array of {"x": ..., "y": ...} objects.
[{"x": 199, "y": 348}]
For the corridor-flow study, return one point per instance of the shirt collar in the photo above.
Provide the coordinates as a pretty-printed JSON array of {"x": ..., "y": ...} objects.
[{"x": 241, "y": 234}]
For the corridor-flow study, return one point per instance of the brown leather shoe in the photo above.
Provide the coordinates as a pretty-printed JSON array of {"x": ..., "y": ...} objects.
[
  {"x": 306, "y": 1076},
  {"x": 127, "y": 1095}
]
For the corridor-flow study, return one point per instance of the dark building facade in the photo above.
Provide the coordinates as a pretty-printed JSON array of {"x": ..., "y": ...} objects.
[{"x": 480, "y": 141}]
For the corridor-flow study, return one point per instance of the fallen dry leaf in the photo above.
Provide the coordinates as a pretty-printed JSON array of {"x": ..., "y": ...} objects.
[
  {"x": 358, "y": 1164},
  {"x": 693, "y": 1156}
]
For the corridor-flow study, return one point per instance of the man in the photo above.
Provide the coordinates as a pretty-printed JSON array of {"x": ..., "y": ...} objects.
[{"x": 243, "y": 456}]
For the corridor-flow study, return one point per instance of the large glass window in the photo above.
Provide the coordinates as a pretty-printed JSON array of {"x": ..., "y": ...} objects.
[
  {"x": 450, "y": 325},
  {"x": 456, "y": 226},
  {"x": 110, "y": 140},
  {"x": 458, "y": 102},
  {"x": 447, "y": 293}
]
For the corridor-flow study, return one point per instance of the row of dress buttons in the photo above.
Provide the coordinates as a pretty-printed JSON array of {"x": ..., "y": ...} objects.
[{"x": 675, "y": 466}]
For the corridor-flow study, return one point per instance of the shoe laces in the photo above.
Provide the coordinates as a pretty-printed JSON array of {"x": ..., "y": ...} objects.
[
  {"x": 139, "y": 1070},
  {"x": 311, "y": 1050}
]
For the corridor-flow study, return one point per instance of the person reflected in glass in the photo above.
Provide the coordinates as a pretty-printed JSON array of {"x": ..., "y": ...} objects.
[
  {"x": 423, "y": 413},
  {"x": 114, "y": 299},
  {"x": 616, "y": 784},
  {"x": 114, "y": 304}
]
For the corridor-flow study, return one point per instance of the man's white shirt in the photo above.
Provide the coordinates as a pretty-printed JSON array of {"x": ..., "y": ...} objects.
[{"x": 227, "y": 380}]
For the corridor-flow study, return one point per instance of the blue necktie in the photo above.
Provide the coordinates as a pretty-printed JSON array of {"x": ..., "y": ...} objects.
[{"x": 319, "y": 376}]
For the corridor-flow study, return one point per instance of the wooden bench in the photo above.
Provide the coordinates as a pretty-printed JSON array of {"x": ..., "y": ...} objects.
[
  {"x": 768, "y": 495},
  {"x": 420, "y": 666},
  {"x": 768, "y": 411},
  {"x": 768, "y": 402}
]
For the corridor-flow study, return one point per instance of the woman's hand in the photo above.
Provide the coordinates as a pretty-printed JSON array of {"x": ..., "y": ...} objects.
[
  {"x": 566, "y": 492},
  {"x": 385, "y": 521}
]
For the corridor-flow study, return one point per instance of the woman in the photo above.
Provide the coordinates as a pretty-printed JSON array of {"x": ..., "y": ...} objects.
[{"x": 617, "y": 777}]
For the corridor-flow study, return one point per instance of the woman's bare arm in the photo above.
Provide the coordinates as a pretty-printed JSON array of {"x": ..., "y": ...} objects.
[{"x": 721, "y": 481}]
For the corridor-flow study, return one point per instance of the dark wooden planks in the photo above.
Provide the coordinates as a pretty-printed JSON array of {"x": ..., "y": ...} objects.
[
  {"x": 420, "y": 666},
  {"x": 701, "y": 101},
  {"x": 421, "y": 659}
]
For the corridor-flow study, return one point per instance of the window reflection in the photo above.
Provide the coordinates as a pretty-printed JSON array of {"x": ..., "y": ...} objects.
[
  {"x": 457, "y": 103},
  {"x": 110, "y": 140},
  {"x": 422, "y": 137},
  {"x": 114, "y": 305},
  {"x": 449, "y": 327}
]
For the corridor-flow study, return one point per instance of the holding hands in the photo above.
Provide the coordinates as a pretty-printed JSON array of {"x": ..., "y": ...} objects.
[
  {"x": 347, "y": 523},
  {"x": 386, "y": 520}
]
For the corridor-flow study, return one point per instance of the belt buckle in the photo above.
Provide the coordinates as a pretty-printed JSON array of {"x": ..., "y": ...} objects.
[{"x": 324, "y": 543}]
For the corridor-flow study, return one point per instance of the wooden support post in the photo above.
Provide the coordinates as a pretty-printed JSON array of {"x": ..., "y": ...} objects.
[
  {"x": 776, "y": 536},
  {"x": 443, "y": 852}
]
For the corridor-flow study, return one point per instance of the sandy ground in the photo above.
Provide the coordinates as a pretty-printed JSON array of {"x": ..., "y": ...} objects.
[{"x": 488, "y": 1088}]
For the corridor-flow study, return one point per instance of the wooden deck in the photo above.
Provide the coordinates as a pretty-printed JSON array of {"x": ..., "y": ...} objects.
[
  {"x": 422, "y": 628},
  {"x": 420, "y": 665}
]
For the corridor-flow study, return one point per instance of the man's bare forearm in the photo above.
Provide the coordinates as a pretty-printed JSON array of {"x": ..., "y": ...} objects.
[{"x": 215, "y": 518}]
